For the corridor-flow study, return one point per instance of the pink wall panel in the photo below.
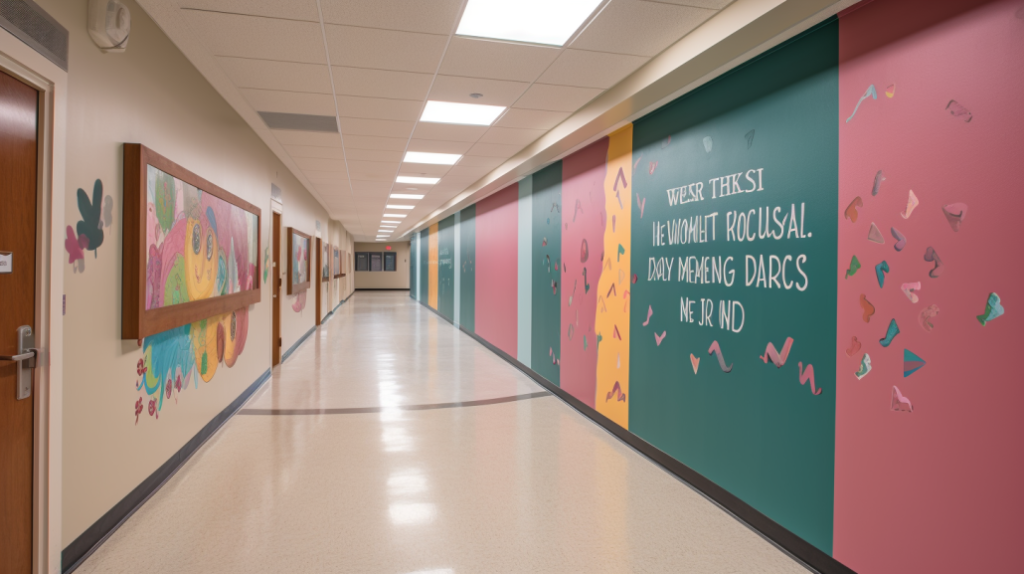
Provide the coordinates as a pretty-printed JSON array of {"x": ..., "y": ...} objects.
[
  {"x": 937, "y": 489},
  {"x": 497, "y": 263},
  {"x": 583, "y": 220}
]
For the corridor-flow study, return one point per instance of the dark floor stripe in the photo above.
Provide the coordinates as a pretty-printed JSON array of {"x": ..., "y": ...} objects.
[{"x": 365, "y": 410}]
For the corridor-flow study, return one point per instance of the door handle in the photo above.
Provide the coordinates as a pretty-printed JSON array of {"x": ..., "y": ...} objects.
[{"x": 26, "y": 359}]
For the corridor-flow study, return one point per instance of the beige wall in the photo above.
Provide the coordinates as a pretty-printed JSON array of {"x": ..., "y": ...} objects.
[
  {"x": 398, "y": 279},
  {"x": 151, "y": 95},
  {"x": 342, "y": 287}
]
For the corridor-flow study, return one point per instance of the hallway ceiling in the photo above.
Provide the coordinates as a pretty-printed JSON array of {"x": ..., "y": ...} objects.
[{"x": 373, "y": 64}]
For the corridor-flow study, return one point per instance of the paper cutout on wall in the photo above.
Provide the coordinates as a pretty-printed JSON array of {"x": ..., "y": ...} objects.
[
  {"x": 640, "y": 203},
  {"x": 901, "y": 240},
  {"x": 617, "y": 393},
  {"x": 900, "y": 402},
  {"x": 912, "y": 204},
  {"x": 620, "y": 253},
  {"x": 854, "y": 267},
  {"x": 955, "y": 213},
  {"x": 635, "y": 278},
  {"x": 807, "y": 375},
  {"x": 586, "y": 286},
  {"x": 932, "y": 257},
  {"x": 708, "y": 142},
  {"x": 890, "y": 91},
  {"x": 300, "y": 302},
  {"x": 659, "y": 338},
  {"x": 854, "y": 347},
  {"x": 993, "y": 309},
  {"x": 851, "y": 210},
  {"x": 911, "y": 363},
  {"x": 91, "y": 225},
  {"x": 926, "y": 316},
  {"x": 74, "y": 246},
  {"x": 880, "y": 270},
  {"x": 865, "y": 367},
  {"x": 910, "y": 290},
  {"x": 651, "y": 167},
  {"x": 870, "y": 93},
  {"x": 584, "y": 251},
  {"x": 621, "y": 176},
  {"x": 867, "y": 309},
  {"x": 894, "y": 330},
  {"x": 138, "y": 410},
  {"x": 695, "y": 362},
  {"x": 958, "y": 111},
  {"x": 879, "y": 178},
  {"x": 874, "y": 235},
  {"x": 750, "y": 138},
  {"x": 777, "y": 358},
  {"x": 108, "y": 211},
  {"x": 715, "y": 349},
  {"x": 650, "y": 311}
]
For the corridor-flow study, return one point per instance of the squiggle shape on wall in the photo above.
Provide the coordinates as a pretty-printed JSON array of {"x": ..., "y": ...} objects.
[
  {"x": 716, "y": 349},
  {"x": 879, "y": 178},
  {"x": 901, "y": 240},
  {"x": 911, "y": 363},
  {"x": 880, "y": 270},
  {"x": 808, "y": 375},
  {"x": 695, "y": 362},
  {"x": 617, "y": 393},
  {"x": 867, "y": 309},
  {"x": 865, "y": 367},
  {"x": 874, "y": 235},
  {"x": 640, "y": 203},
  {"x": 926, "y": 316},
  {"x": 993, "y": 309},
  {"x": 869, "y": 93},
  {"x": 659, "y": 338},
  {"x": 910, "y": 289},
  {"x": 854, "y": 267},
  {"x": 894, "y": 330},
  {"x": 650, "y": 311},
  {"x": 851, "y": 210},
  {"x": 958, "y": 111},
  {"x": 932, "y": 257},
  {"x": 899, "y": 402},
  {"x": 912, "y": 204},
  {"x": 955, "y": 213},
  {"x": 777, "y": 358},
  {"x": 854, "y": 347}
]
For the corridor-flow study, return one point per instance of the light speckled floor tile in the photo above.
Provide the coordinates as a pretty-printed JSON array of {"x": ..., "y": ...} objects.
[{"x": 525, "y": 486}]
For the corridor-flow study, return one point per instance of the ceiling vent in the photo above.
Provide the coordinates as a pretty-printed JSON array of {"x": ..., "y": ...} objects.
[
  {"x": 299, "y": 122},
  {"x": 32, "y": 25}
]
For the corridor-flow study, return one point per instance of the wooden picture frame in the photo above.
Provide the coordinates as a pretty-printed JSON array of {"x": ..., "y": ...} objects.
[
  {"x": 145, "y": 308},
  {"x": 299, "y": 245},
  {"x": 337, "y": 263}
]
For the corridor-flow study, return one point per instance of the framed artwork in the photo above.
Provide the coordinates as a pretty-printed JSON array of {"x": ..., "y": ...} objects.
[
  {"x": 190, "y": 248},
  {"x": 325, "y": 272},
  {"x": 298, "y": 260},
  {"x": 337, "y": 263}
]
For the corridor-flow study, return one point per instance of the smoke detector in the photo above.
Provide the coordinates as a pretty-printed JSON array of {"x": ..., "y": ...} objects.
[{"x": 110, "y": 24}]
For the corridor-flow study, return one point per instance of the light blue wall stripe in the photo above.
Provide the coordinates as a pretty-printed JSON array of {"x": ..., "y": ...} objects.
[
  {"x": 416, "y": 258},
  {"x": 458, "y": 266},
  {"x": 524, "y": 327}
]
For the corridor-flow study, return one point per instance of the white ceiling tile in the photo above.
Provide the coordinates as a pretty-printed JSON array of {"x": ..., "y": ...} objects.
[
  {"x": 439, "y": 146},
  {"x": 424, "y": 170},
  {"x": 353, "y": 142},
  {"x": 256, "y": 37},
  {"x": 495, "y": 150},
  {"x": 511, "y": 135},
  {"x": 639, "y": 28},
  {"x": 315, "y": 176},
  {"x": 375, "y": 154},
  {"x": 496, "y": 60},
  {"x": 315, "y": 151},
  {"x": 360, "y": 187},
  {"x": 295, "y": 137},
  {"x": 381, "y": 128},
  {"x": 372, "y": 170},
  {"x": 287, "y": 9},
  {"x": 321, "y": 164},
  {"x": 433, "y": 17},
  {"x": 384, "y": 49},
  {"x": 379, "y": 108},
  {"x": 590, "y": 69},
  {"x": 533, "y": 119},
  {"x": 269, "y": 75},
  {"x": 341, "y": 186},
  {"x": 381, "y": 83},
  {"x": 556, "y": 98},
  {"x": 290, "y": 102},
  {"x": 479, "y": 161},
  {"x": 449, "y": 132},
  {"x": 493, "y": 92},
  {"x": 466, "y": 173}
]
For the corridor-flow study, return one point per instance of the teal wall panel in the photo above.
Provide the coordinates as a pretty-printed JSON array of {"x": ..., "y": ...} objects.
[
  {"x": 545, "y": 264},
  {"x": 424, "y": 266},
  {"x": 467, "y": 268},
  {"x": 446, "y": 267}
]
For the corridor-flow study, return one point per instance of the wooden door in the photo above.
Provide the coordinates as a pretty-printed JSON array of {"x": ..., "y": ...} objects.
[
  {"x": 276, "y": 334},
  {"x": 319, "y": 277},
  {"x": 18, "y": 149}
]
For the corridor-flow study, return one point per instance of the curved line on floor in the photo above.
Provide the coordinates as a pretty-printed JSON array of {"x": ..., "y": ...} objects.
[{"x": 364, "y": 410}]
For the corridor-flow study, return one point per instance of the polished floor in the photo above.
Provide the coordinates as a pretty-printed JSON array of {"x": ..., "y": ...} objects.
[{"x": 336, "y": 465}]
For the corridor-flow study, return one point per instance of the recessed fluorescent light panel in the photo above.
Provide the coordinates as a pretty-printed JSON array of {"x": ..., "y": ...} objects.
[
  {"x": 550, "y": 22},
  {"x": 423, "y": 180},
  {"x": 433, "y": 158},
  {"x": 405, "y": 196},
  {"x": 387, "y": 223},
  {"x": 398, "y": 215},
  {"x": 455, "y": 113},
  {"x": 394, "y": 206}
]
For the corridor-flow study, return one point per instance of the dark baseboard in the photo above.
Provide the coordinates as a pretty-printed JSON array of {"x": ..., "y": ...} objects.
[
  {"x": 340, "y": 303},
  {"x": 790, "y": 543},
  {"x": 302, "y": 339},
  {"x": 82, "y": 547}
]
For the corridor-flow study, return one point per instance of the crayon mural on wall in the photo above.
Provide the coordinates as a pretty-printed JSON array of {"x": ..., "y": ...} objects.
[{"x": 789, "y": 280}]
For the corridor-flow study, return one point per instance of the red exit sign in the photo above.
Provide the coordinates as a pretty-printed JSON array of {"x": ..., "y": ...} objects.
[{"x": 388, "y": 248}]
